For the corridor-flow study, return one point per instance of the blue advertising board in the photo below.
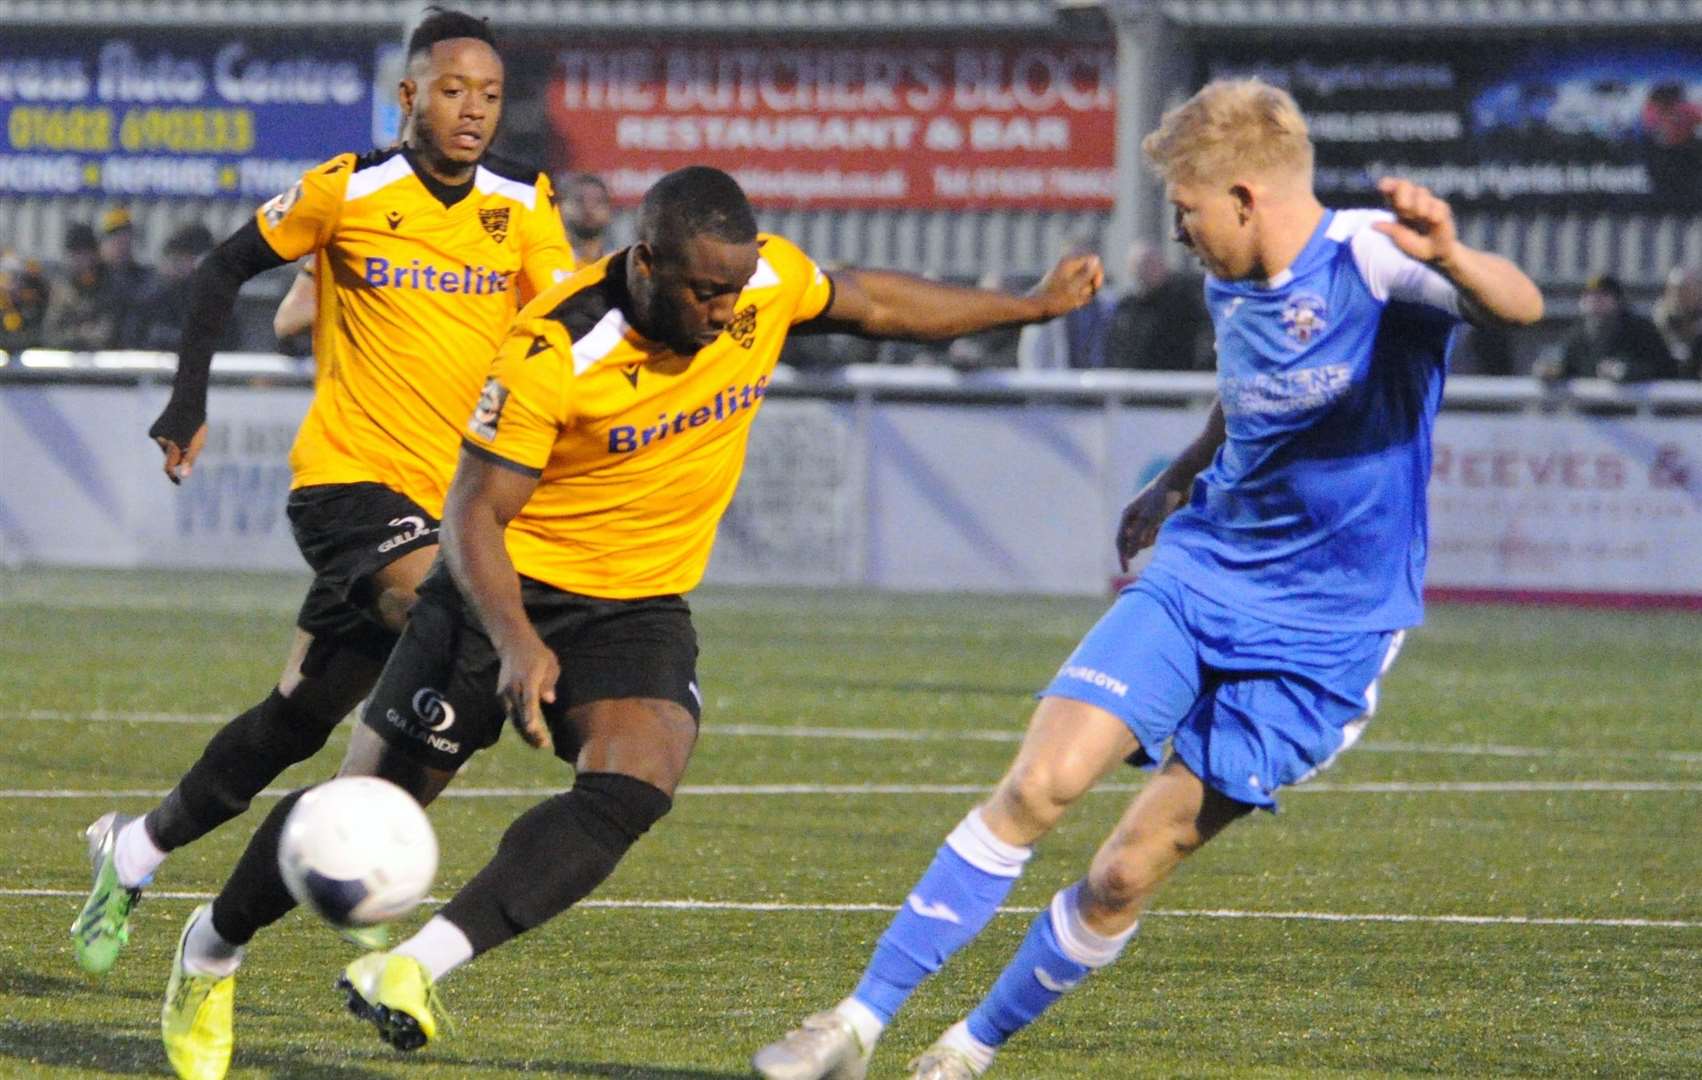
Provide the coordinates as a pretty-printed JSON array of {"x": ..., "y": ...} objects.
[{"x": 203, "y": 115}]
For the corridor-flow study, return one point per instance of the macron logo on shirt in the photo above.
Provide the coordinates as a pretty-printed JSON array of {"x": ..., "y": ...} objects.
[{"x": 476, "y": 280}]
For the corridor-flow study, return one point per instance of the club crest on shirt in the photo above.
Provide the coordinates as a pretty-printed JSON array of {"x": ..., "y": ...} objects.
[
  {"x": 278, "y": 207},
  {"x": 1303, "y": 317},
  {"x": 743, "y": 327},
  {"x": 495, "y": 223},
  {"x": 488, "y": 412}
]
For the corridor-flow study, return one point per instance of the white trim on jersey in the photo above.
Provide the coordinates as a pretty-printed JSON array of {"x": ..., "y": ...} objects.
[
  {"x": 766, "y": 277},
  {"x": 600, "y": 342},
  {"x": 1389, "y": 272},
  {"x": 364, "y": 182},
  {"x": 489, "y": 183}
]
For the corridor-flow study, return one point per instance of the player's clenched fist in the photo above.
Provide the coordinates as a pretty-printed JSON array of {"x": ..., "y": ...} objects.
[
  {"x": 1070, "y": 284},
  {"x": 1424, "y": 223}
]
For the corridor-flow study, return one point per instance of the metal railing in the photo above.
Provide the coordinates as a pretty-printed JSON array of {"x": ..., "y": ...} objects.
[{"x": 1510, "y": 393}]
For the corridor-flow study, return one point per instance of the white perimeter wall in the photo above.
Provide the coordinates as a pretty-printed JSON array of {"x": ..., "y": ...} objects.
[{"x": 1017, "y": 498}]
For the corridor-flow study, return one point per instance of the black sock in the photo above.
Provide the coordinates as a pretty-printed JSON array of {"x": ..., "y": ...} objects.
[
  {"x": 247, "y": 754},
  {"x": 553, "y": 856},
  {"x": 255, "y": 896}
]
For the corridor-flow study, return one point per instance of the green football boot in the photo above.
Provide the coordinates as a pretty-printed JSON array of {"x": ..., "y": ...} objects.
[{"x": 102, "y": 928}]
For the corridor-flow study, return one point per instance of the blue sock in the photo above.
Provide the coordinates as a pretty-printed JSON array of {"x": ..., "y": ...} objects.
[
  {"x": 970, "y": 877},
  {"x": 1042, "y": 970}
]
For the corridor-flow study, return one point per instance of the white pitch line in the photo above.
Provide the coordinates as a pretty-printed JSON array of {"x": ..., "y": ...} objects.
[
  {"x": 1373, "y": 787},
  {"x": 790, "y": 731},
  {"x": 777, "y": 907}
]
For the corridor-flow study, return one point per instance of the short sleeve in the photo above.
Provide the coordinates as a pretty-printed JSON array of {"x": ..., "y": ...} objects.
[
  {"x": 547, "y": 258},
  {"x": 817, "y": 294},
  {"x": 300, "y": 221},
  {"x": 521, "y": 409},
  {"x": 782, "y": 263},
  {"x": 1393, "y": 275}
]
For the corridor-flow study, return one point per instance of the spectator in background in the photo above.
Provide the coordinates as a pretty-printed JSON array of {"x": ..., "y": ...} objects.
[
  {"x": 1161, "y": 324},
  {"x": 23, "y": 303},
  {"x": 586, "y": 212},
  {"x": 1076, "y": 340},
  {"x": 1669, "y": 121},
  {"x": 1613, "y": 342},
  {"x": 1482, "y": 350},
  {"x": 79, "y": 316},
  {"x": 1678, "y": 316},
  {"x": 126, "y": 279},
  {"x": 156, "y": 320},
  {"x": 990, "y": 348}
]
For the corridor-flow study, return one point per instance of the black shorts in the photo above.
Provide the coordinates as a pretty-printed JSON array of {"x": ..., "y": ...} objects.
[
  {"x": 348, "y": 533},
  {"x": 437, "y": 702}
]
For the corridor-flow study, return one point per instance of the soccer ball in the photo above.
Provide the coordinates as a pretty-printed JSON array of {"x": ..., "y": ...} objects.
[{"x": 358, "y": 850}]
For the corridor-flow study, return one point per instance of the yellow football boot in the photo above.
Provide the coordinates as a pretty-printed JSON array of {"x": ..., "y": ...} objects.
[{"x": 195, "y": 1021}]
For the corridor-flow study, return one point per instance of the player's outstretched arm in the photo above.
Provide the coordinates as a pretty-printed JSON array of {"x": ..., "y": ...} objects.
[
  {"x": 1494, "y": 288},
  {"x": 1168, "y": 490},
  {"x": 181, "y": 429},
  {"x": 886, "y": 303},
  {"x": 483, "y": 498}
]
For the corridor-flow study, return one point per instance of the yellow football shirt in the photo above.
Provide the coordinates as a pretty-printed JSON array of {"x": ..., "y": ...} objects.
[
  {"x": 636, "y": 448},
  {"x": 413, "y": 295}
]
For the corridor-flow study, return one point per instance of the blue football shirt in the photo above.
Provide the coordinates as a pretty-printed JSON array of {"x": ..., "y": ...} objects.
[{"x": 1312, "y": 513}]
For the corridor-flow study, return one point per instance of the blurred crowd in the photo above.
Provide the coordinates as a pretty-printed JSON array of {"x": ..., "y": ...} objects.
[{"x": 96, "y": 296}]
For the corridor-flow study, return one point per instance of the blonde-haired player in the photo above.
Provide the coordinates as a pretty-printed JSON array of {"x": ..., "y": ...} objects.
[{"x": 1290, "y": 557}]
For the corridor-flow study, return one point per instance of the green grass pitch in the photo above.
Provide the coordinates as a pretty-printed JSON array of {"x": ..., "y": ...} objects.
[{"x": 1538, "y": 771}]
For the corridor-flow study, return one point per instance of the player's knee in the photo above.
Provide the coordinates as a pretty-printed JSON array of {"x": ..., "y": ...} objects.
[
  {"x": 616, "y": 809},
  {"x": 1120, "y": 883},
  {"x": 290, "y": 729},
  {"x": 393, "y": 605},
  {"x": 1038, "y": 792}
]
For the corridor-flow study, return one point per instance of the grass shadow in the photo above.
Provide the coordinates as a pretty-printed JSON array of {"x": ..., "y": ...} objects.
[
  {"x": 34, "y": 984},
  {"x": 38, "y": 1044},
  {"x": 601, "y": 1070}
]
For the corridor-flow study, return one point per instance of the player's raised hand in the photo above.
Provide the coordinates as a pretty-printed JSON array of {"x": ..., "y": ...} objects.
[
  {"x": 1423, "y": 225},
  {"x": 1142, "y": 517},
  {"x": 1069, "y": 284},
  {"x": 526, "y": 681},
  {"x": 180, "y": 457}
]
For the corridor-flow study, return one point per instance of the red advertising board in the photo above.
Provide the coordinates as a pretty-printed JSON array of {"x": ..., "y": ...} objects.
[{"x": 848, "y": 124}]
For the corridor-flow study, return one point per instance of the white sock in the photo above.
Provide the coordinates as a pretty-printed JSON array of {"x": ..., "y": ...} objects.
[
  {"x": 440, "y": 946},
  {"x": 135, "y": 855},
  {"x": 958, "y": 1038},
  {"x": 863, "y": 1021},
  {"x": 1079, "y": 941},
  {"x": 205, "y": 952}
]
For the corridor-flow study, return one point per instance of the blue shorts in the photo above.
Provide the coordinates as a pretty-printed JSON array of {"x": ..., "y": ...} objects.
[{"x": 1249, "y": 706}]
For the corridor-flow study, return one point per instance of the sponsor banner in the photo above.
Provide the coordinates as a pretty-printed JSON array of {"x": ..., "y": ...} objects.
[
  {"x": 125, "y": 115},
  {"x": 988, "y": 498},
  {"x": 901, "y": 495},
  {"x": 83, "y": 483},
  {"x": 1607, "y": 124},
  {"x": 845, "y": 123},
  {"x": 793, "y": 519},
  {"x": 1566, "y": 504}
]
